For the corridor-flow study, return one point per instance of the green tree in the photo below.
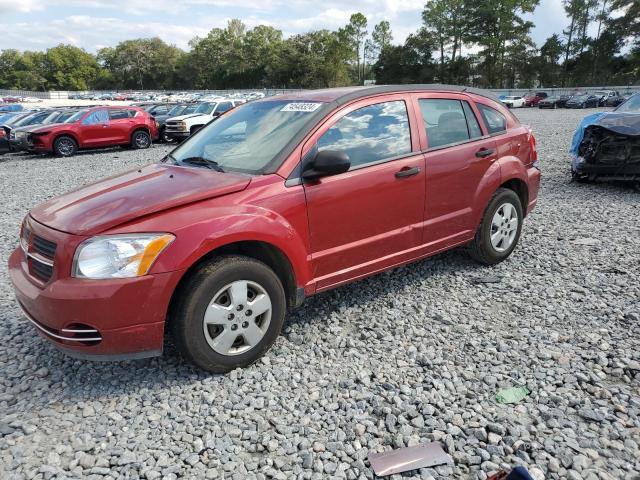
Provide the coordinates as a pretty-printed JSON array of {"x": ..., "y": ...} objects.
[
  {"x": 69, "y": 68},
  {"x": 497, "y": 25},
  {"x": 142, "y": 63},
  {"x": 356, "y": 32},
  {"x": 548, "y": 63}
]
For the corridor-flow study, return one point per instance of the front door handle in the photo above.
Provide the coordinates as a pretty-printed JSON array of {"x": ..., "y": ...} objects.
[
  {"x": 407, "y": 172},
  {"x": 485, "y": 152}
]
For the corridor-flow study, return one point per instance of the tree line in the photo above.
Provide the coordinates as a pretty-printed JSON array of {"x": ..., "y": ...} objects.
[{"x": 485, "y": 43}]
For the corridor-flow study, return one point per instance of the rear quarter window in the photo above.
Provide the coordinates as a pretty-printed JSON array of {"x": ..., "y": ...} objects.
[{"x": 493, "y": 119}]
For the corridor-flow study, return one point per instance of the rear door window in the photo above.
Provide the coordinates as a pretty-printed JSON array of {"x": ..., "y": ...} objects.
[
  {"x": 493, "y": 119},
  {"x": 370, "y": 134},
  {"x": 448, "y": 121},
  {"x": 118, "y": 114}
]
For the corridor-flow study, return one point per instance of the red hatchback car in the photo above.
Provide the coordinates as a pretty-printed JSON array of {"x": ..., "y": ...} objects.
[
  {"x": 280, "y": 199},
  {"x": 95, "y": 128}
]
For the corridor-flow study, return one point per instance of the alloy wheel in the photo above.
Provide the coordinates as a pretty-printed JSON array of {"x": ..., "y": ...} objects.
[
  {"x": 65, "y": 146},
  {"x": 237, "y": 318},
  {"x": 504, "y": 227},
  {"x": 142, "y": 140}
]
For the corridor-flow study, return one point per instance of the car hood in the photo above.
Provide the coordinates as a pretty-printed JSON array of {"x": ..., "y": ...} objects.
[
  {"x": 622, "y": 123},
  {"x": 37, "y": 127},
  {"x": 119, "y": 199},
  {"x": 189, "y": 115}
]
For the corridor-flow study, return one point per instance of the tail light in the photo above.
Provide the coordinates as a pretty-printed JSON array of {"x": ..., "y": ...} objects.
[
  {"x": 533, "y": 155},
  {"x": 2, "y": 133}
]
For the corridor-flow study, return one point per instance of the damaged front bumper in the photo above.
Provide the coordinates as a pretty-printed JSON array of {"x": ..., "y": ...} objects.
[{"x": 606, "y": 154}]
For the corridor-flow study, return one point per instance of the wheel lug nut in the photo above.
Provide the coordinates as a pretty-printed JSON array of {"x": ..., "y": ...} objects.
[
  {"x": 231, "y": 316},
  {"x": 245, "y": 324},
  {"x": 248, "y": 313},
  {"x": 234, "y": 327},
  {"x": 239, "y": 307}
]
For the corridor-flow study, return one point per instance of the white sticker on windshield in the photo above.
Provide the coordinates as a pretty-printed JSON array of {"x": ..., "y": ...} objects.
[{"x": 300, "y": 107}]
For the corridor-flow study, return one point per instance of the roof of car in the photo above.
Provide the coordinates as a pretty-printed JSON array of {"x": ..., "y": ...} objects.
[{"x": 343, "y": 95}]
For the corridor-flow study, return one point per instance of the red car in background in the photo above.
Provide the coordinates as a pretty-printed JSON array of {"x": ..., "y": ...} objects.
[
  {"x": 533, "y": 99},
  {"x": 96, "y": 127}
]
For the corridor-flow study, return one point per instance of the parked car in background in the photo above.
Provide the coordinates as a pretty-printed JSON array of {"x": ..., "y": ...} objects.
[
  {"x": 4, "y": 141},
  {"x": 19, "y": 136},
  {"x": 180, "y": 127},
  {"x": 615, "y": 100},
  {"x": 583, "y": 101},
  {"x": 606, "y": 145},
  {"x": 532, "y": 99},
  {"x": 30, "y": 118},
  {"x": 13, "y": 107},
  {"x": 157, "y": 109},
  {"x": 552, "y": 102},
  {"x": 605, "y": 95},
  {"x": 176, "y": 110},
  {"x": 4, "y": 116},
  {"x": 277, "y": 200},
  {"x": 513, "y": 102},
  {"x": 96, "y": 127}
]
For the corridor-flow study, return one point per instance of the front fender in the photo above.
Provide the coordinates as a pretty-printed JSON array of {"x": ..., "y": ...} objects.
[{"x": 236, "y": 224}]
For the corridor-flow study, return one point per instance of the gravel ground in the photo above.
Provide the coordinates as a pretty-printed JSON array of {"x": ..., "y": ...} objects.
[{"x": 413, "y": 355}]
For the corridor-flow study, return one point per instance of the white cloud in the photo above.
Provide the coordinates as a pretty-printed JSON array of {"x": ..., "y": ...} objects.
[{"x": 38, "y": 24}]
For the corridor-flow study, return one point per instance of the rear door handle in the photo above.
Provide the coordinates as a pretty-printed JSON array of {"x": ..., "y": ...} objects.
[
  {"x": 407, "y": 172},
  {"x": 485, "y": 152}
]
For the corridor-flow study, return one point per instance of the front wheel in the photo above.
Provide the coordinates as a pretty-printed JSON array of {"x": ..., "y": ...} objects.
[
  {"x": 65, "y": 146},
  {"x": 228, "y": 313},
  {"x": 499, "y": 230}
]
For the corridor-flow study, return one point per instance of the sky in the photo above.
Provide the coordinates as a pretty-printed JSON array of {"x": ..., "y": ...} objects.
[{"x": 93, "y": 24}]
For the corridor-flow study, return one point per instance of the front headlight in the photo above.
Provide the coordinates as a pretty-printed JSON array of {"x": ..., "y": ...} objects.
[{"x": 119, "y": 256}]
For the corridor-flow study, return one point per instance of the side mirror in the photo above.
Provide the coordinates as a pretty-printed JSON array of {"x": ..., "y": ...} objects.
[{"x": 325, "y": 163}]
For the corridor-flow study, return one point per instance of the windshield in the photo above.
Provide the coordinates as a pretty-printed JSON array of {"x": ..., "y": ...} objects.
[
  {"x": 205, "y": 108},
  {"x": 177, "y": 110},
  {"x": 24, "y": 120},
  {"x": 632, "y": 105},
  {"x": 76, "y": 116},
  {"x": 52, "y": 118},
  {"x": 249, "y": 137}
]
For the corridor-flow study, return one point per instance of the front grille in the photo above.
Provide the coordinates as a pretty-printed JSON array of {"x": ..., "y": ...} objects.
[
  {"x": 40, "y": 270},
  {"x": 40, "y": 254},
  {"x": 44, "y": 247}
]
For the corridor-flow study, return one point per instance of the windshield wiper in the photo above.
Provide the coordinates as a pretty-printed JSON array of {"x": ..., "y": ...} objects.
[{"x": 205, "y": 162}]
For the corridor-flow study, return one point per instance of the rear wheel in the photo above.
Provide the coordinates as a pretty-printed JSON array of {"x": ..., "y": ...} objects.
[
  {"x": 228, "y": 313},
  {"x": 140, "y": 139},
  {"x": 499, "y": 230},
  {"x": 65, "y": 146}
]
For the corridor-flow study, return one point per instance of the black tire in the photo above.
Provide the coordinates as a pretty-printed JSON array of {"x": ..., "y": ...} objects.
[
  {"x": 164, "y": 137},
  {"x": 481, "y": 249},
  {"x": 186, "y": 319},
  {"x": 64, "y": 146},
  {"x": 140, "y": 139}
]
